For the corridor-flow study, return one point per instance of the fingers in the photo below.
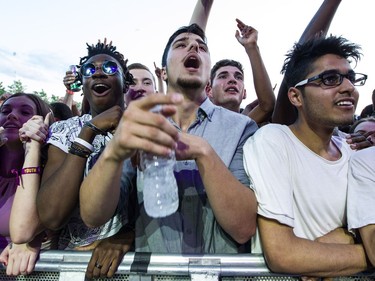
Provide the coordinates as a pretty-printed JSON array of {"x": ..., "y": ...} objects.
[
  {"x": 31, "y": 263},
  {"x": 114, "y": 265},
  {"x": 4, "y": 256},
  {"x": 35, "y": 128},
  {"x": 69, "y": 79},
  {"x": 91, "y": 267},
  {"x": 103, "y": 263},
  {"x": 359, "y": 141},
  {"x": 3, "y": 139},
  {"x": 159, "y": 99},
  {"x": 240, "y": 23},
  {"x": 141, "y": 129},
  {"x": 154, "y": 126},
  {"x": 47, "y": 118}
]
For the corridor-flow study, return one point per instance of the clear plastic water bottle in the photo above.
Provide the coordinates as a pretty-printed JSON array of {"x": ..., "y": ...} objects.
[
  {"x": 76, "y": 86},
  {"x": 160, "y": 191}
]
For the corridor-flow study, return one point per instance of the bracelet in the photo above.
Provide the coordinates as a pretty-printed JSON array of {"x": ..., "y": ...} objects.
[
  {"x": 30, "y": 170},
  {"x": 96, "y": 130},
  {"x": 69, "y": 92},
  {"x": 84, "y": 143},
  {"x": 78, "y": 151},
  {"x": 25, "y": 171}
]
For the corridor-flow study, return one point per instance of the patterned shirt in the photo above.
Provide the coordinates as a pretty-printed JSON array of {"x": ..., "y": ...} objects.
[{"x": 76, "y": 233}]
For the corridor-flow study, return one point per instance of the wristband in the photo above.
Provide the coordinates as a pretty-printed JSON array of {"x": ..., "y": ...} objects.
[
  {"x": 96, "y": 130},
  {"x": 84, "y": 143},
  {"x": 78, "y": 151},
  {"x": 25, "y": 171},
  {"x": 30, "y": 170},
  {"x": 69, "y": 92}
]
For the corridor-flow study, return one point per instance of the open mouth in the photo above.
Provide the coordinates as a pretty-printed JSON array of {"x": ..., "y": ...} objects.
[
  {"x": 100, "y": 88},
  {"x": 192, "y": 62},
  {"x": 231, "y": 89}
]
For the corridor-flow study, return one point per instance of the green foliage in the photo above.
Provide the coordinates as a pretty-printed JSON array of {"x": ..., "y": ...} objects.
[
  {"x": 54, "y": 98},
  {"x": 2, "y": 89},
  {"x": 43, "y": 95},
  {"x": 16, "y": 87}
]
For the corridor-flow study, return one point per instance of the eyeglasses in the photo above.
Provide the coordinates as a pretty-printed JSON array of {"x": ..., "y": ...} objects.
[
  {"x": 108, "y": 67},
  {"x": 333, "y": 79}
]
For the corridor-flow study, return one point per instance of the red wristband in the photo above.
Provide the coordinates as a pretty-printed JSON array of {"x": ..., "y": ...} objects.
[
  {"x": 69, "y": 92},
  {"x": 25, "y": 171}
]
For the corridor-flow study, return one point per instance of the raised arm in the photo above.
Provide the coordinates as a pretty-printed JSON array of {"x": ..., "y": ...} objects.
[
  {"x": 160, "y": 81},
  {"x": 266, "y": 98},
  {"x": 201, "y": 12},
  {"x": 284, "y": 112}
]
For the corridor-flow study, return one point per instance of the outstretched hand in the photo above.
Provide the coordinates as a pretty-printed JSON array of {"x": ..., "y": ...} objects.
[
  {"x": 246, "y": 35},
  {"x": 157, "y": 71}
]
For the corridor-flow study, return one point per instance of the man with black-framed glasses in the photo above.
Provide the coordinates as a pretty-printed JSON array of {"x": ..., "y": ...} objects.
[{"x": 299, "y": 172}]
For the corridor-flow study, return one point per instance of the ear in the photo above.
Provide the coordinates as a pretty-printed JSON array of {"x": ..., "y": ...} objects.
[
  {"x": 295, "y": 97},
  {"x": 208, "y": 90},
  {"x": 164, "y": 75},
  {"x": 244, "y": 94}
]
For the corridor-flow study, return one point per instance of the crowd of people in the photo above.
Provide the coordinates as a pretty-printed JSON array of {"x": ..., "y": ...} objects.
[{"x": 300, "y": 182}]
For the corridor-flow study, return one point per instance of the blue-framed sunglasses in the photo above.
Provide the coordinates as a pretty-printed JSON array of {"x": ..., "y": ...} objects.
[{"x": 108, "y": 68}]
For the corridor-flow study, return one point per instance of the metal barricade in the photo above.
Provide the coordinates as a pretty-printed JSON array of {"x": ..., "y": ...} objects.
[{"x": 71, "y": 266}]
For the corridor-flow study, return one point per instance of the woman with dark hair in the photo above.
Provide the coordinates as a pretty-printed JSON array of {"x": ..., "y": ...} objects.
[{"x": 24, "y": 120}]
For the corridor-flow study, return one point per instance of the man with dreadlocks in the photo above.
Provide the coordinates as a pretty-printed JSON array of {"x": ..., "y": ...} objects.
[{"x": 74, "y": 146}]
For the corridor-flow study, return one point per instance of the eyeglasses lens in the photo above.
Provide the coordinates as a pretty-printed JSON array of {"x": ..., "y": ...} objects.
[
  {"x": 334, "y": 79},
  {"x": 108, "y": 67},
  {"x": 331, "y": 79}
]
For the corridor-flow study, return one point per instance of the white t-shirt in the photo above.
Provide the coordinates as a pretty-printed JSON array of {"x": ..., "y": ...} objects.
[
  {"x": 361, "y": 188},
  {"x": 294, "y": 185}
]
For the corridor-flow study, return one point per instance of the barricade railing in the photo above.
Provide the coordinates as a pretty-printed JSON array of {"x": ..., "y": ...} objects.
[{"x": 71, "y": 266}]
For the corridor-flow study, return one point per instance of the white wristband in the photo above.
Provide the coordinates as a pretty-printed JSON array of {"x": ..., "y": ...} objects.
[{"x": 84, "y": 143}]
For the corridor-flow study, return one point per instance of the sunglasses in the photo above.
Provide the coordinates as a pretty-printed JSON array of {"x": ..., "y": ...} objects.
[{"x": 108, "y": 68}]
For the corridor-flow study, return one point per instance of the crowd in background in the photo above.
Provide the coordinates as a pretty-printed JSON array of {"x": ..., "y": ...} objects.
[{"x": 289, "y": 176}]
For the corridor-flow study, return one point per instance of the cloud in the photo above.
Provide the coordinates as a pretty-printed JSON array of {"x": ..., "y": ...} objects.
[{"x": 36, "y": 69}]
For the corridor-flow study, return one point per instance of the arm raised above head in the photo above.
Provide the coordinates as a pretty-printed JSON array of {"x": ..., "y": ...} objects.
[
  {"x": 284, "y": 112},
  {"x": 247, "y": 36},
  {"x": 201, "y": 12}
]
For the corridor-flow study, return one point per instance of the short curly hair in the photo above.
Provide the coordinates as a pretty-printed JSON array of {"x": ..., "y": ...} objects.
[{"x": 108, "y": 49}]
